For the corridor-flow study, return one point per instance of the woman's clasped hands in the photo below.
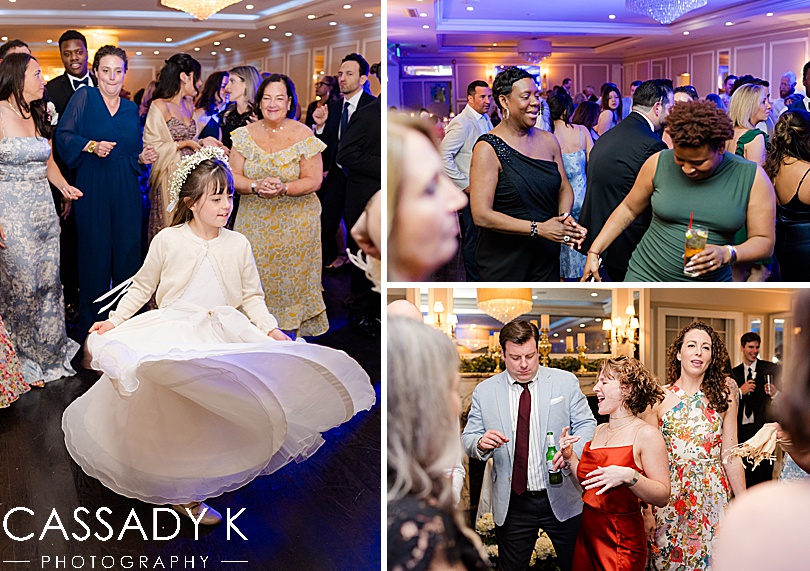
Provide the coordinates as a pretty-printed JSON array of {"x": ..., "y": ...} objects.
[{"x": 563, "y": 229}]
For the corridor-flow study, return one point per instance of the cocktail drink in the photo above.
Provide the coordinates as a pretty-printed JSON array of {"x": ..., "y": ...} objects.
[{"x": 696, "y": 237}]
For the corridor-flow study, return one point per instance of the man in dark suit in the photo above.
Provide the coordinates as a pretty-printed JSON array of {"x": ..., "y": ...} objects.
[
  {"x": 613, "y": 165},
  {"x": 59, "y": 90},
  {"x": 755, "y": 400},
  {"x": 331, "y": 122},
  {"x": 360, "y": 153}
]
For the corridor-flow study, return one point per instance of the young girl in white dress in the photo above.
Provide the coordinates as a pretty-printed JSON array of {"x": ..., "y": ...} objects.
[{"x": 195, "y": 400}]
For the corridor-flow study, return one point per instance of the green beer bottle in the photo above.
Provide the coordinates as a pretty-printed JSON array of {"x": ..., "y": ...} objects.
[{"x": 554, "y": 476}]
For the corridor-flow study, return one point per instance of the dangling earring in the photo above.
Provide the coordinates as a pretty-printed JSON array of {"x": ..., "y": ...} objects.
[{"x": 505, "y": 113}]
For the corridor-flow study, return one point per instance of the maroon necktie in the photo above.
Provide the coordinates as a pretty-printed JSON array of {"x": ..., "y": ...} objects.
[{"x": 520, "y": 470}]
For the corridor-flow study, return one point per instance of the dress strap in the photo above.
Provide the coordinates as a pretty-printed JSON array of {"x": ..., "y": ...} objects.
[
  {"x": 502, "y": 150},
  {"x": 800, "y": 184},
  {"x": 581, "y": 144},
  {"x": 746, "y": 138},
  {"x": 2, "y": 125}
]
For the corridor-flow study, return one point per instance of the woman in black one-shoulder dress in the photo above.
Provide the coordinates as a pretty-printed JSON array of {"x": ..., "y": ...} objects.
[
  {"x": 788, "y": 165},
  {"x": 519, "y": 194}
]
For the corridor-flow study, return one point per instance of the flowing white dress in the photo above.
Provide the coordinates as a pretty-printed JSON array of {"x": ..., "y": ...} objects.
[{"x": 196, "y": 401}]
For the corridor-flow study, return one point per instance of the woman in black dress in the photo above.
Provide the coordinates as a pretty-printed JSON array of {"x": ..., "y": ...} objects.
[
  {"x": 520, "y": 197},
  {"x": 788, "y": 165}
]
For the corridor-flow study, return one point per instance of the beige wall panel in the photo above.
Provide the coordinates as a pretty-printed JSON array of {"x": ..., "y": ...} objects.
[
  {"x": 300, "y": 71},
  {"x": 593, "y": 74},
  {"x": 749, "y": 59},
  {"x": 703, "y": 72},
  {"x": 788, "y": 55}
]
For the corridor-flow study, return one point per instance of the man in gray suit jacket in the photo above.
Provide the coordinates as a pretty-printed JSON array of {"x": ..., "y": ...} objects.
[
  {"x": 456, "y": 152},
  {"x": 500, "y": 427}
]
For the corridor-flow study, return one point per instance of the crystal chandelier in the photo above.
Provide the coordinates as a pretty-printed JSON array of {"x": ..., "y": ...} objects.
[
  {"x": 533, "y": 51},
  {"x": 663, "y": 11},
  {"x": 200, "y": 9},
  {"x": 505, "y": 304}
]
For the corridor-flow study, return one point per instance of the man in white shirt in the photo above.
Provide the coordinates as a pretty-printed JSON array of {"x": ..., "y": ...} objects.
[
  {"x": 787, "y": 87},
  {"x": 456, "y": 152},
  {"x": 728, "y": 85},
  {"x": 510, "y": 415}
]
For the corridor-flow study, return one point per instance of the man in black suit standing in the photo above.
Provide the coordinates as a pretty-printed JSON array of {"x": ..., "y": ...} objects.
[
  {"x": 613, "y": 165},
  {"x": 331, "y": 123},
  {"x": 360, "y": 153},
  {"x": 755, "y": 400},
  {"x": 59, "y": 90}
]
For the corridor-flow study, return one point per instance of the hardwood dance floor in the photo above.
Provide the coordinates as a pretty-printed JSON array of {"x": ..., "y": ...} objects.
[{"x": 322, "y": 514}]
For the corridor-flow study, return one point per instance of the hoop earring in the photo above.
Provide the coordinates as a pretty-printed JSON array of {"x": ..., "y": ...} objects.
[{"x": 505, "y": 113}]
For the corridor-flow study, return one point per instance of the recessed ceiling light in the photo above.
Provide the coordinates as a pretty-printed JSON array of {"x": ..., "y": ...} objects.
[
  {"x": 265, "y": 39},
  {"x": 582, "y": 325},
  {"x": 686, "y": 33},
  {"x": 422, "y": 14},
  {"x": 494, "y": 45},
  {"x": 249, "y": 7},
  {"x": 534, "y": 297},
  {"x": 156, "y": 52},
  {"x": 769, "y": 14},
  {"x": 213, "y": 53},
  {"x": 12, "y": 1},
  {"x": 168, "y": 39},
  {"x": 138, "y": 53},
  {"x": 271, "y": 27},
  {"x": 470, "y": 8},
  {"x": 311, "y": 17},
  {"x": 568, "y": 330},
  {"x": 288, "y": 34},
  {"x": 594, "y": 294},
  {"x": 217, "y": 43},
  {"x": 347, "y": 6},
  {"x": 425, "y": 27},
  {"x": 612, "y": 16},
  {"x": 368, "y": 15},
  {"x": 227, "y": 49},
  {"x": 241, "y": 35},
  {"x": 196, "y": 49},
  {"x": 729, "y": 23},
  {"x": 556, "y": 335},
  {"x": 333, "y": 23},
  {"x": 49, "y": 41},
  {"x": 598, "y": 319}
]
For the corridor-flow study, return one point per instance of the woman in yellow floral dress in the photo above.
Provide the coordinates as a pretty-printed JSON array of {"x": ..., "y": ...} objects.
[
  {"x": 277, "y": 166},
  {"x": 698, "y": 418}
]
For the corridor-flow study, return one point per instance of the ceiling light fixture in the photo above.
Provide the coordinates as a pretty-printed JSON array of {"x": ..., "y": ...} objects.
[
  {"x": 368, "y": 15},
  {"x": 196, "y": 49},
  {"x": 505, "y": 304},
  {"x": 729, "y": 23},
  {"x": 347, "y": 6},
  {"x": 200, "y": 9},
  {"x": 311, "y": 17},
  {"x": 425, "y": 27},
  {"x": 249, "y": 7},
  {"x": 422, "y": 15},
  {"x": 271, "y": 27},
  {"x": 265, "y": 39},
  {"x": 168, "y": 39},
  {"x": 288, "y": 34},
  {"x": 217, "y": 43},
  {"x": 213, "y": 53},
  {"x": 156, "y": 52},
  {"x": 769, "y": 14},
  {"x": 138, "y": 53},
  {"x": 333, "y": 23},
  {"x": 49, "y": 41},
  {"x": 533, "y": 51},
  {"x": 241, "y": 35},
  {"x": 227, "y": 49},
  {"x": 611, "y": 16},
  {"x": 663, "y": 11},
  {"x": 686, "y": 33},
  {"x": 470, "y": 8}
]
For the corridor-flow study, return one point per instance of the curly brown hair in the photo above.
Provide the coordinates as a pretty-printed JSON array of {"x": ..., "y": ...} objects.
[
  {"x": 791, "y": 140},
  {"x": 639, "y": 386},
  {"x": 714, "y": 379},
  {"x": 698, "y": 123}
]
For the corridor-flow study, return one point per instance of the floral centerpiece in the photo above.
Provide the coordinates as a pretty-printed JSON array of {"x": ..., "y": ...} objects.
[{"x": 544, "y": 558}]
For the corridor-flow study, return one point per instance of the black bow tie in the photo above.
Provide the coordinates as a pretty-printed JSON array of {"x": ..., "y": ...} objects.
[{"x": 80, "y": 82}]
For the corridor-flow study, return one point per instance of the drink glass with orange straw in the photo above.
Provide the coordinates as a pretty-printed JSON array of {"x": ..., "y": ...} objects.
[{"x": 696, "y": 237}]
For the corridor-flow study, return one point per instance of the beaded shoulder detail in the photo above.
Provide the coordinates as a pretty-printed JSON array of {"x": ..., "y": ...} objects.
[{"x": 502, "y": 150}]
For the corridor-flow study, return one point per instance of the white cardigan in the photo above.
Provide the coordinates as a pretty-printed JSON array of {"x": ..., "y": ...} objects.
[{"x": 173, "y": 259}]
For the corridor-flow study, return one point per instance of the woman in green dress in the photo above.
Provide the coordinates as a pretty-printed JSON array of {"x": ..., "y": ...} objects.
[{"x": 695, "y": 182}]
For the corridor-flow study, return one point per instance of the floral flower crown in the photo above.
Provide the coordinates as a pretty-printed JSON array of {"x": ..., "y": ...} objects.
[{"x": 187, "y": 165}]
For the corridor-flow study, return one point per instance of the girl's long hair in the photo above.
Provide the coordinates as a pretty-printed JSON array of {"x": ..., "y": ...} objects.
[
  {"x": 210, "y": 174},
  {"x": 168, "y": 84}
]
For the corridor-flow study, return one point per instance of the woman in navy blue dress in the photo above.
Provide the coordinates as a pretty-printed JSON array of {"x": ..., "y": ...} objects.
[{"x": 100, "y": 137}]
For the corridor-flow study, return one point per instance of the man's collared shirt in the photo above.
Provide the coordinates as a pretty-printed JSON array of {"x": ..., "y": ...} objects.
[
  {"x": 749, "y": 419},
  {"x": 77, "y": 82}
]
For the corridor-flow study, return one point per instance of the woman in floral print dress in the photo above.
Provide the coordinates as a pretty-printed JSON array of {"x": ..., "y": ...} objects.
[
  {"x": 698, "y": 418},
  {"x": 12, "y": 384}
]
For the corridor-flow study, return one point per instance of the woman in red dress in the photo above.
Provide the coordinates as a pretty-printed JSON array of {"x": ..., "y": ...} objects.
[{"x": 624, "y": 465}]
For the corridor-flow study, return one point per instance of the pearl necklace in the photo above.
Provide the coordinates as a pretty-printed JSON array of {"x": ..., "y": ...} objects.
[{"x": 270, "y": 130}]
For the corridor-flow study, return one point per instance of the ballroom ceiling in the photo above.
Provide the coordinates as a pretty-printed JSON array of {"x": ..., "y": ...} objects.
[
  {"x": 494, "y": 26},
  {"x": 147, "y": 26}
]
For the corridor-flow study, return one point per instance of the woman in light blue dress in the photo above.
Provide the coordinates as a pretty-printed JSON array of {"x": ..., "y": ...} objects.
[
  {"x": 575, "y": 143},
  {"x": 31, "y": 300}
]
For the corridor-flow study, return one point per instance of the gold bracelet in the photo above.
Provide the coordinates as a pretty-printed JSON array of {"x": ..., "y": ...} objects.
[{"x": 91, "y": 147}]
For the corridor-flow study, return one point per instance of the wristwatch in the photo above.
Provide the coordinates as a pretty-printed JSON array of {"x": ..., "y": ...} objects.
[
  {"x": 91, "y": 148},
  {"x": 253, "y": 186}
]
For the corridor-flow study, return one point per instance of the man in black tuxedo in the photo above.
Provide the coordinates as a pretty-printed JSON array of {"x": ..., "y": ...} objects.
[
  {"x": 331, "y": 123},
  {"x": 613, "y": 165},
  {"x": 360, "y": 152},
  {"x": 59, "y": 90},
  {"x": 755, "y": 400}
]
